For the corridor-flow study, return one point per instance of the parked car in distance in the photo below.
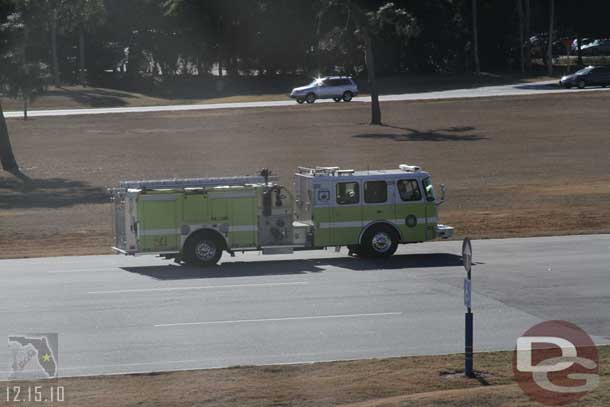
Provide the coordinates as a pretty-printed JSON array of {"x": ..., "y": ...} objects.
[
  {"x": 339, "y": 88},
  {"x": 591, "y": 75},
  {"x": 596, "y": 48},
  {"x": 583, "y": 42}
]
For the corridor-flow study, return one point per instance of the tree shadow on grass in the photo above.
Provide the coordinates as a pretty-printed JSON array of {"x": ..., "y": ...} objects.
[
  {"x": 463, "y": 133},
  {"x": 93, "y": 97},
  {"x": 49, "y": 193}
]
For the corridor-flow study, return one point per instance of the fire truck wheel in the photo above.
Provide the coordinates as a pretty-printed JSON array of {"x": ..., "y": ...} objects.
[
  {"x": 310, "y": 98},
  {"x": 203, "y": 249},
  {"x": 354, "y": 250},
  {"x": 379, "y": 241}
]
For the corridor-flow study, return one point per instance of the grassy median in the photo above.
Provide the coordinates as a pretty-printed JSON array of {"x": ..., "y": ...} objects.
[{"x": 408, "y": 381}]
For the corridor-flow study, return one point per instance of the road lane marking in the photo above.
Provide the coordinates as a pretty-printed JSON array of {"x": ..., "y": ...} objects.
[
  {"x": 205, "y": 287},
  {"x": 238, "y": 321},
  {"x": 82, "y": 270}
]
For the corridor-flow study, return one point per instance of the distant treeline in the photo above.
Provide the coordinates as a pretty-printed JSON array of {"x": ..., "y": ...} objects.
[{"x": 71, "y": 41}]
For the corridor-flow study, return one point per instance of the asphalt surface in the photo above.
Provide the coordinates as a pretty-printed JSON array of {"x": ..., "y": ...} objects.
[
  {"x": 535, "y": 88},
  {"x": 117, "y": 314}
]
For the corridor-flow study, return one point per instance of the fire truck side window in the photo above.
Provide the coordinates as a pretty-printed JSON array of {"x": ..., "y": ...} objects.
[
  {"x": 409, "y": 190},
  {"x": 348, "y": 193},
  {"x": 375, "y": 192}
]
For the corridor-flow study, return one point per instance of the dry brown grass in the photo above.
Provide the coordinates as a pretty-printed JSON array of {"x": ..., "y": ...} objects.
[
  {"x": 517, "y": 166},
  {"x": 408, "y": 381}
]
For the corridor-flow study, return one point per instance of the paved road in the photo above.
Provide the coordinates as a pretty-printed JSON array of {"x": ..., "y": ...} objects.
[
  {"x": 119, "y": 314},
  {"x": 536, "y": 88}
]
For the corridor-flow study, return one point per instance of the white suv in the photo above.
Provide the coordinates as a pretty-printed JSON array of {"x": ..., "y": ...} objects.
[{"x": 336, "y": 87}]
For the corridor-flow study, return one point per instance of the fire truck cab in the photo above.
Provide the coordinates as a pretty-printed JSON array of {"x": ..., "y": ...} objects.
[{"x": 371, "y": 212}]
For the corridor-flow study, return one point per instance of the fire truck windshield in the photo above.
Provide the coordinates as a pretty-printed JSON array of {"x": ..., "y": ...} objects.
[{"x": 428, "y": 189}]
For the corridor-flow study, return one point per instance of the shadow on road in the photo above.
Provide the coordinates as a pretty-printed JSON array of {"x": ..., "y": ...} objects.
[
  {"x": 288, "y": 267},
  {"x": 448, "y": 134}
]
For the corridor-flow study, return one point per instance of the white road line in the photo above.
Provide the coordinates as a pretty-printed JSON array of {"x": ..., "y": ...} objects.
[
  {"x": 81, "y": 270},
  {"x": 205, "y": 287},
  {"x": 238, "y": 321}
]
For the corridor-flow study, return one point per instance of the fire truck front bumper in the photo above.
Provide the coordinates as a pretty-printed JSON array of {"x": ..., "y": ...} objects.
[{"x": 444, "y": 231}]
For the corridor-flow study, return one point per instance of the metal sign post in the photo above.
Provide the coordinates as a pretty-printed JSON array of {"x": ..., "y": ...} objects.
[{"x": 468, "y": 340}]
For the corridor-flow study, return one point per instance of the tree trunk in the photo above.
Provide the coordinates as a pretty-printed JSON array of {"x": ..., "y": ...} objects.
[
  {"x": 54, "y": 58},
  {"x": 521, "y": 35},
  {"x": 528, "y": 55},
  {"x": 549, "y": 51},
  {"x": 7, "y": 158},
  {"x": 82, "y": 74},
  {"x": 26, "y": 98},
  {"x": 369, "y": 59},
  {"x": 6, "y": 151},
  {"x": 475, "y": 37}
]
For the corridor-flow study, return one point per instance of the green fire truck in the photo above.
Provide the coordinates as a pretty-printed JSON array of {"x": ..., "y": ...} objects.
[{"x": 195, "y": 220}]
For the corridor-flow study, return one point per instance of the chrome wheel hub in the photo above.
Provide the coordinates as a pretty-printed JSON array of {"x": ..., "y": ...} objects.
[
  {"x": 381, "y": 242},
  {"x": 205, "y": 250}
]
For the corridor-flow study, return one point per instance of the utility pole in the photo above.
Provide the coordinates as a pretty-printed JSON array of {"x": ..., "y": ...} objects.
[{"x": 469, "y": 317}]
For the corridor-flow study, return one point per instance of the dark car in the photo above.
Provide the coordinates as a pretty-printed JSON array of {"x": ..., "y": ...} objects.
[{"x": 589, "y": 76}]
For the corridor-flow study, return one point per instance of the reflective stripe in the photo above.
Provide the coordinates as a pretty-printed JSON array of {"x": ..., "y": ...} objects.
[
  {"x": 223, "y": 228},
  {"x": 243, "y": 228},
  {"x": 159, "y": 197},
  {"x": 355, "y": 224},
  {"x": 158, "y": 232},
  {"x": 419, "y": 221}
]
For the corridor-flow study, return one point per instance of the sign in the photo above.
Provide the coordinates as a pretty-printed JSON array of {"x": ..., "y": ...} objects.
[
  {"x": 467, "y": 293},
  {"x": 467, "y": 254}
]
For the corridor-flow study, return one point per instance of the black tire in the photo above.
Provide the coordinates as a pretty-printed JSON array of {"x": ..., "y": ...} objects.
[
  {"x": 581, "y": 84},
  {"x": 203, "y": 249},
  {"x": 310, "y": 98},
  {"x": 337, "y": 100},
  {"x": 379, "y": 241},
  {"x": 347, "y": 96},
  {"x": 354, "y": 250},
  {"x": 300, "y": 101}
]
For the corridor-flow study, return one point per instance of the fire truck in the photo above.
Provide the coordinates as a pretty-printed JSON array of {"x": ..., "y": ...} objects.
[{"x": 195, "y": 220}]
